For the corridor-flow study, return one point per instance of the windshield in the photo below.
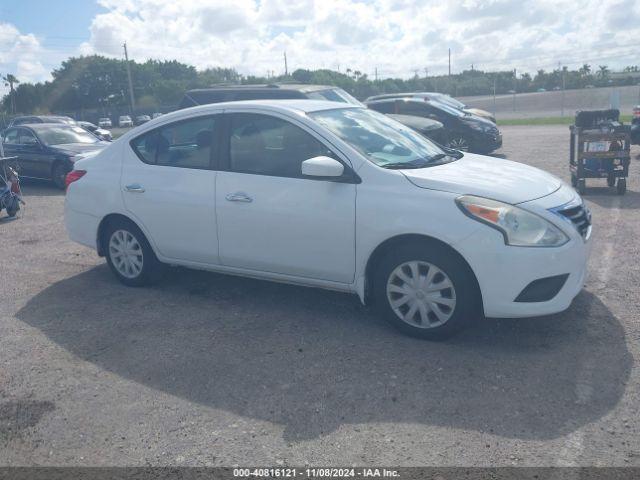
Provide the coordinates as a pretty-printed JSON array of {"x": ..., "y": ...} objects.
[
  {"x": 62, "y": 135},
  {"x": 447, "y": 100},
  {"x": 334, "y": 95},
  {"x": 382, "y": 140}
]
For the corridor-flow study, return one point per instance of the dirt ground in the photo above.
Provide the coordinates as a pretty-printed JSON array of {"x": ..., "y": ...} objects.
[{"x": 206, "y": 369}]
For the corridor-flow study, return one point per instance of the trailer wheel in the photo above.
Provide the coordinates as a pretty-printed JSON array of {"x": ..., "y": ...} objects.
[
  {"x": 582, "y": 186},
  {"x": 611, "y": 180},
  {"x": 622, "y": 186}
]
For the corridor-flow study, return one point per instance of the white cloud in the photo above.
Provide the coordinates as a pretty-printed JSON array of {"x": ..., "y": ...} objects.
[
  {"x": 397, "y": 37},
  {"x": 20, "y": 55}
]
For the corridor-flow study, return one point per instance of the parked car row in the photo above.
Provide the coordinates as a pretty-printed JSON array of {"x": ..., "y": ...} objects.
[{"x": 435, "y": 115}]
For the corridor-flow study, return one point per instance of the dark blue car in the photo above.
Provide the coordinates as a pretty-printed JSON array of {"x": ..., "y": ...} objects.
[{"x": 48, "y": 150}]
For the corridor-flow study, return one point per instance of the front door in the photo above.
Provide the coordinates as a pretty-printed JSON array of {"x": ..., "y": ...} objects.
[
  {"x": 271, "y": 218},
  {"x": 168, "y": 185}
]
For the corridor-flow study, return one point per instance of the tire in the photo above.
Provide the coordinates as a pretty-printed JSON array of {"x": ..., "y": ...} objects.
[
  {"x": 59, "y": 175},
  {"x": 621, "y": 188},
  {"x": 13, "y": 209},
  {"x": 611, "y": 180},
  {"x": 131, "y": 268},
  {"x": 448, "y": 311},
  {"x": 582, "y": 186},
  {"x": 458, "y": 142},
  {"x": 574, "y": 181}
]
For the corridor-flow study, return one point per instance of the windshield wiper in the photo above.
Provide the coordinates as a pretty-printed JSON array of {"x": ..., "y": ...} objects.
[{"x": 418, "y": 163}]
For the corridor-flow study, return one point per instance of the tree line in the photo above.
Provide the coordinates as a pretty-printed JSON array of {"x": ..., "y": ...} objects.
[{"x": 100, "y": 84}]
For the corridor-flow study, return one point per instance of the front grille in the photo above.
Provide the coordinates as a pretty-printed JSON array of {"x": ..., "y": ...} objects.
[{"x": 580, "y": 216}]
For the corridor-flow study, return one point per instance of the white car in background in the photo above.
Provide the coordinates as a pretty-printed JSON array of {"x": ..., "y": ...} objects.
[
  {"x": 104, "y": 122},
  {"x": 125, "y": 121},
  {"x": 334, "y": 196}
]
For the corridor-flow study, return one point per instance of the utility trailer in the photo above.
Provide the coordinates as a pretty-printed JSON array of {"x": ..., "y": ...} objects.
[{"x": 599, "y": 148}]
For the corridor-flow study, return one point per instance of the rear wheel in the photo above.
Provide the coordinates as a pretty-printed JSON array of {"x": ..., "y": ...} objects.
[
  {"x": 13, "y": 207},
  {"x": 574, "y": 181},
  {"x": 611, "y": 180},
  {"x": 129, "y": 254},
  {"x": 425, "y": 291},
  {"x": 59, "y": 175},
  {"x": 622, "y": 186},
  {"x": 582, "y": 186}
]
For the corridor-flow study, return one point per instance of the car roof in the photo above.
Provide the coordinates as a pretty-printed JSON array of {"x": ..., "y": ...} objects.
[
  {"x": 288, "y": 106},
  {"x": 302, "y": 87}
]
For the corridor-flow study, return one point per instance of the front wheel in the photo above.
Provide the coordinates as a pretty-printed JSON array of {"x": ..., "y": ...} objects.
[
  {"x": 129, "y": 254},
  {"x": 458, "y": 142},
  {"x": 426, "y": 291}
]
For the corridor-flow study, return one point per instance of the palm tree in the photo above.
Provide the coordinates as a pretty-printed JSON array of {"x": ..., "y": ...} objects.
[
  {"x": 9, "y": 81},
  {"x": 585, "y": 70},
  {"x": 603, "y": 72}
]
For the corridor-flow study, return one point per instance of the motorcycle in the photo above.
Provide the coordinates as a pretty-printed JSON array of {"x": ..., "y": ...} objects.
[{"x": 10, "y": 193}]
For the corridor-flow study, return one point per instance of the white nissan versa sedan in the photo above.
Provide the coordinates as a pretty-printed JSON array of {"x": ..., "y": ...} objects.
[{"x": 335, "y": 196}]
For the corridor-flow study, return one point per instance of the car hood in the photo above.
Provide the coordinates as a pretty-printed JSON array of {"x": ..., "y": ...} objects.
[
  {"x": 76, "y": 148},
  {"x": 489, "y": 177}
]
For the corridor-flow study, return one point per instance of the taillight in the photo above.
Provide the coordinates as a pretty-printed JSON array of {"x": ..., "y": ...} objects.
[{"x": 73, "y": 176}]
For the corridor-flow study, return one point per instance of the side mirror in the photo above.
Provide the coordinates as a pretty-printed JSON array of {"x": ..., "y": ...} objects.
[{"x": 322, "y": 167}]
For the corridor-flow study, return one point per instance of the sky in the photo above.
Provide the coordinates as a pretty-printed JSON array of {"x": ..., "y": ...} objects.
[{"x": 397, "y": 38}]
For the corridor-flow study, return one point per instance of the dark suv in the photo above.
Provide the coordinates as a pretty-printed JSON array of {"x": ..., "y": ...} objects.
[
  {"x": 232, "y": 93},
  {"x": 464, "y": 131}
]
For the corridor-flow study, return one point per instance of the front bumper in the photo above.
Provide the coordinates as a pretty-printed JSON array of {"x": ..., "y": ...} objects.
[
  {"x": 503, "y": 272},
  {"x": 486, "y": 142}
]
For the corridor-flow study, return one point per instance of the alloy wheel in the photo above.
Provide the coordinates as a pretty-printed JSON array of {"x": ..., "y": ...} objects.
[
  {"x": 126, "y": 254},
  {"x": 459, "y": 143},
  {"x": 421, "y": 294}
]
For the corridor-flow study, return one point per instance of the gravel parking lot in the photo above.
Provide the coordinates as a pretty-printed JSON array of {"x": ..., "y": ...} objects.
[{"x": 206, "y": 369}]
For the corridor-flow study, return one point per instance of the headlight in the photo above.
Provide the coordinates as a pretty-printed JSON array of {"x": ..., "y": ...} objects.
[
  {"x": 519, "y": 227},
  {"x": 476, "y": 126}
]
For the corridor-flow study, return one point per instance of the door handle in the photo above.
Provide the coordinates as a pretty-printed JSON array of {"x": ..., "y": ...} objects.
[
  {"x": 239, "y": 197},
  {"x": 134, "y": 188}
]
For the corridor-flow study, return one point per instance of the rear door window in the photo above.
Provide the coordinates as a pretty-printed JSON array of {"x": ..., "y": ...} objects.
[{"x": 185, "y": 144}]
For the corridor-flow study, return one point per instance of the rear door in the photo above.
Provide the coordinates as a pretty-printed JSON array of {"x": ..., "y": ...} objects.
[{"x": 168, "y": 185}]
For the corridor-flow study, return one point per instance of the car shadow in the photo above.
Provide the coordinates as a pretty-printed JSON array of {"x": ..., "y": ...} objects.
[
  {"x": 40, "y": 188},
  {"x": 313, "y": 360},
  {"x": 498, "y": 155},
  {"x": 607, "y": 197}
]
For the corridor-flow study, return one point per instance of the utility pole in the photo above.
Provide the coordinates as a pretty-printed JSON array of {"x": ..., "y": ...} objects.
[
  {"x": 562, "y": 102},
  {"x": 286, "y": 70},
  {"x": 376, "y": 74},
  {"x": 515, "y": 79},
  {"x": 449, "y": 62},
  {"x": 494, "y": 96},
  {"x": 131, "y": 97}
]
